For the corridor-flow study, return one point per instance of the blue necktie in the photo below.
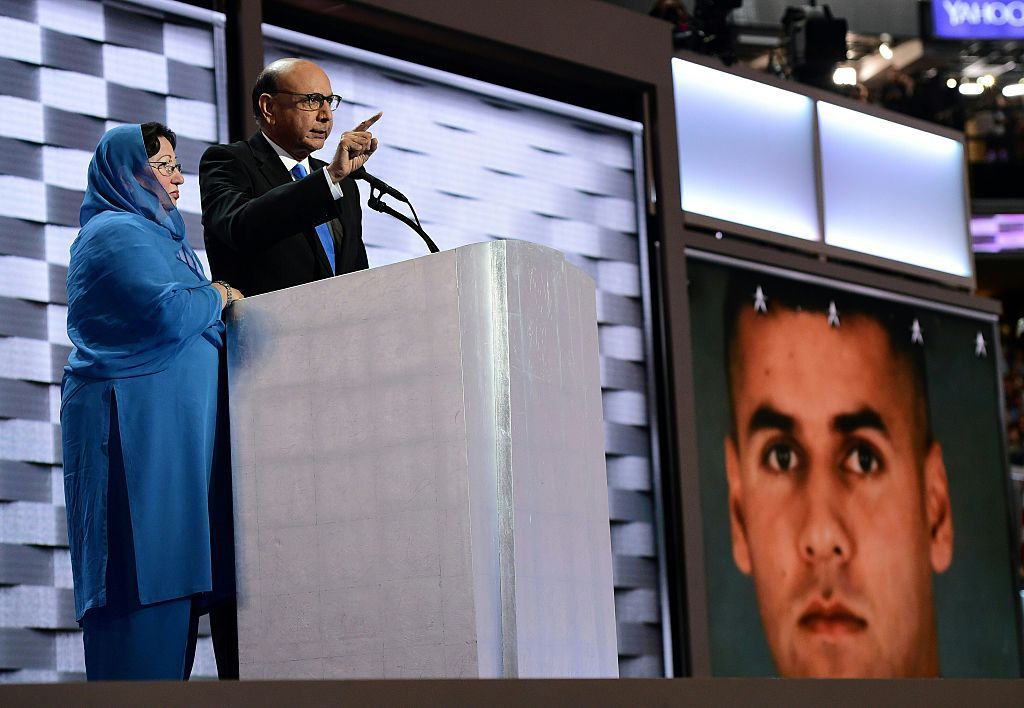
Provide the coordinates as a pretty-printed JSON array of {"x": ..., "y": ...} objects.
[{"x": 321, "y": 230}]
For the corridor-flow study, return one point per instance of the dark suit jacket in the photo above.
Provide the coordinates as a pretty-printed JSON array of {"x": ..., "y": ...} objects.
[{"x": 259, "y": 224}]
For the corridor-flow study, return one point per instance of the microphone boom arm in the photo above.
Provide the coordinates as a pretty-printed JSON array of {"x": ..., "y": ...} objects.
[{"x": 375, "y": 203}]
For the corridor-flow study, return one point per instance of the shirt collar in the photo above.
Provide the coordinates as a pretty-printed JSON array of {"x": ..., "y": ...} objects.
[{"x": 288, "y": 160}]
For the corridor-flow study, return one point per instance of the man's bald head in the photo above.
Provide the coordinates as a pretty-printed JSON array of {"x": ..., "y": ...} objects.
[
  {"x": 292, "y": 102},
  {"x": 269, "y": 80}
]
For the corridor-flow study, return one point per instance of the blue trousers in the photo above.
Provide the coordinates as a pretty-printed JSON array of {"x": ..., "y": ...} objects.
[
  {"x": 149, "y": 643},
  {"x": 125, "y": 640}
]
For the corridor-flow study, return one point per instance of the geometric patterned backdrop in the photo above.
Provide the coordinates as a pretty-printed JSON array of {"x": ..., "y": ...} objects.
[
  {"x": 70, "y": 70},
  {"x": 507, "y": 165},
  {"x": 480, "y": 163}
]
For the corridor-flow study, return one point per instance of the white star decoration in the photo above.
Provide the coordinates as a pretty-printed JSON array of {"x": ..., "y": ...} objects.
[
  {"x": 916, "y": 336},
  {"x": 833, "y": 314},
  {"x": 979, "y": 345},
  {"x": 760, "y": 301}
]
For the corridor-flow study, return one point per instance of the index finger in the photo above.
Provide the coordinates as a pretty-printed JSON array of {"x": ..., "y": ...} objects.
[{"x": 368, "y": 122}]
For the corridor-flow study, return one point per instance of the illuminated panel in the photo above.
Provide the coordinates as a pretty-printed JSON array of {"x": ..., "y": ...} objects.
[
  {"x": 746, "y": 152},
  {"x": 999, "y": 232},
  {"x": 978, "y": 19},
  {"x": 893, "y": 191}
]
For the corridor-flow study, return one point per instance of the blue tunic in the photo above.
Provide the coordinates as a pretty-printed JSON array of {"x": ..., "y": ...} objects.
[{"x": 146, "y": 328}]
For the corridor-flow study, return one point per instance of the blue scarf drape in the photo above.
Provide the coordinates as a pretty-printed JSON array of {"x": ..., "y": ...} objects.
[
  {"x": 124, "y": 314},
  {"x": 139, "y": 310}
]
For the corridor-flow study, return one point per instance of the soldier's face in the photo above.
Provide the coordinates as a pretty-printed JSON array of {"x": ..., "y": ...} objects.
[{"x": 839, "y": 506}]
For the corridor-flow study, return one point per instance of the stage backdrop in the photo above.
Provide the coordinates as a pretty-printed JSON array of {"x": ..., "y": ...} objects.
[
  {"x": 70, "y": 70},
  {"x": 975, "y": 599}
]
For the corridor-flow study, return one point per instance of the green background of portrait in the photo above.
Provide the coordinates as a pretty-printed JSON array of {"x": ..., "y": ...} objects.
[{"x": 975, "y": 598}]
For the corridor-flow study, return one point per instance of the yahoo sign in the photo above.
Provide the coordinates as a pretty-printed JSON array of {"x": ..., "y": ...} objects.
[{"x": 978, "y": 19}]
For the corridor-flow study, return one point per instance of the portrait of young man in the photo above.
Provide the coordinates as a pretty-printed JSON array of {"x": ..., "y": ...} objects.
[
  {"x": 838, "y": 499},
  {"x": 852, "y": 488}
]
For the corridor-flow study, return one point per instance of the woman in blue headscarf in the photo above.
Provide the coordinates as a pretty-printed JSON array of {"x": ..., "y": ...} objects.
[{"x": 143, "y": 417}]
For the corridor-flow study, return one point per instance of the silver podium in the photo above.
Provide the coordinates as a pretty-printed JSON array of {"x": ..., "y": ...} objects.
[{"x": 419, "y": 473}]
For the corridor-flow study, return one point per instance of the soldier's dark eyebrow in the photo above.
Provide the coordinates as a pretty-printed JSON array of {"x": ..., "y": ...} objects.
[
  {"x": 767, "y": 418},
  {"x": 866, "y": 417}
]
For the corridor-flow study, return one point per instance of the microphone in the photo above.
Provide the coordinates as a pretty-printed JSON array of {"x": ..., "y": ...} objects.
[
  {"x": 378, "y": 184},
  {"x": 375, "y": 203}
]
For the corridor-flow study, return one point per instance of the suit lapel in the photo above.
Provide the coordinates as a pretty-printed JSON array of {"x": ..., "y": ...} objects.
[
  {"x": 274, "y": 172},
  {"x": 270, "y": 165}
]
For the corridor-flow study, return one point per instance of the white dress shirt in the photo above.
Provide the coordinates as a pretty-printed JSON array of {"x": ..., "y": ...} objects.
[{"x": 290, "y": 162}]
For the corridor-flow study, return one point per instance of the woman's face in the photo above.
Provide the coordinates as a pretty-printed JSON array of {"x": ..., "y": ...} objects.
[{"x": 163, "y": 161}]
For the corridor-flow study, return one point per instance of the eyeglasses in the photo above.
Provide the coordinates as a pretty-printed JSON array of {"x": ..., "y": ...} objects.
[
  {"x": 314, "y": 101},
  {"x": 166, "y": 168}
]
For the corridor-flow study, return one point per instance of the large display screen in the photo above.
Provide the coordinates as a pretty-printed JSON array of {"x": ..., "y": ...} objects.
[
  {"x": 746, "y": 151},
  {"x": 971, "y": 19},
  {"x": 854, "y": 494},
  {"x": 755, "y": 155},
  {"x": 893, "y": 191}
]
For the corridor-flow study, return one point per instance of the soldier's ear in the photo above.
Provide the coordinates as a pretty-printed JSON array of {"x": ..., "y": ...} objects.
[
  {"x": 737, "y": 524},
  {"x": 938, "y": 509}
]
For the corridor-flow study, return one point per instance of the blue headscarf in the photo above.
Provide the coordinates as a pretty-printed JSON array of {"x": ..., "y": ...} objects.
[
  {"x": 120, "y": 180},
  {"x": 129, "y": 304}
]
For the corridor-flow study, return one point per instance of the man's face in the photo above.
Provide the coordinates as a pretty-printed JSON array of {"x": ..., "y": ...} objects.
[
  {"x": 839, "y": 508},
  {"x": 298, "y": 131}
]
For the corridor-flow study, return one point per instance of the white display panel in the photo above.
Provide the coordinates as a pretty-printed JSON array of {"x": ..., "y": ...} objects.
[
  {"x": 746, "y": 151},
  {"x": 893, "y": 191}
]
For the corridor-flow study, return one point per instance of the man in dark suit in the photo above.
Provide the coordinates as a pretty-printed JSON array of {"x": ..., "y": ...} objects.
[{"x": 273, "y": 217}]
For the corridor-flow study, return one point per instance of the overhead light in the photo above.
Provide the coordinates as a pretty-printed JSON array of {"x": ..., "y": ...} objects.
[
  {"x": 969, "y": 89},
  {"x": 988, "y": 81},
  {"x": 845, "y": 76},
  {"x": 1012, "y": 90},
  {"x": 885, "y": 50},
  {"x": 951, "y": 83}
]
